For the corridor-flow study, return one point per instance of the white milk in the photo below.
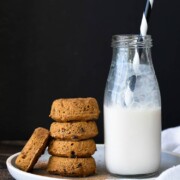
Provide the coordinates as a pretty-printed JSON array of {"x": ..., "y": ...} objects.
[{"x": 132, "y": 140}]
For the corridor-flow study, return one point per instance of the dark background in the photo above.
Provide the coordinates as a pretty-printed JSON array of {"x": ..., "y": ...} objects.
[{"x": 61, "y": 48}]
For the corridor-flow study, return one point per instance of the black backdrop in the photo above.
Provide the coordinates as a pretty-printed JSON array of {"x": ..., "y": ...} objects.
[{"x": 61, "y": 48}]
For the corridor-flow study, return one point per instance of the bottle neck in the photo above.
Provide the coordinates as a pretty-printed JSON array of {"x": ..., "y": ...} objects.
[
  {"x": 131, "y": 41},
  {"x": 134, "y": 49}
]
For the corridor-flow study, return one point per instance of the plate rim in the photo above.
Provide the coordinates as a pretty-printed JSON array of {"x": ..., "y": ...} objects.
[{"x": 11, "y": 168}]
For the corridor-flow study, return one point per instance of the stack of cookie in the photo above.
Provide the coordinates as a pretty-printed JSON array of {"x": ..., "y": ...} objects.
[{"x": 72, "y": 144}]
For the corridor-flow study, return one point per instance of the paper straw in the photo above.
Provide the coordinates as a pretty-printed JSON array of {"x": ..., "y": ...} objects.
[
  {"x": 143, "y": 31},
  {"x": 146, "y": 17}
]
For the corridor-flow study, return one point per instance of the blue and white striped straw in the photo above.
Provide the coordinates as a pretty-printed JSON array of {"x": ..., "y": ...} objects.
[
  {"x": 146, "y": 17},
  {"x": 136, "y": 59}
]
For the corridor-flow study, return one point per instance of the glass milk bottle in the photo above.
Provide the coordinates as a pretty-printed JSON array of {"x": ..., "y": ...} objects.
[{"x": 132, "y": 109}]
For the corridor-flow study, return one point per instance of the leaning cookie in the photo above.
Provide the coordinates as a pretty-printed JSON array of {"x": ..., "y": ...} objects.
[
  {"x": 73, "y": 130},
  {"x": 33, "y": 149},
  {"x": 76, "y": 167},
  {"x": 72, "y": 149},
  {"x": 74, "y": 109}
]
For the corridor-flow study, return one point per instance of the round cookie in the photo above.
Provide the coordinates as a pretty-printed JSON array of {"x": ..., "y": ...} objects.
[
  {"x": 73, "y": 130},
  {"x": 72, "y": 149},
  {"x": 33, "y": 149},
  {"x": 71, "y": 166},
  {"x": 74, "y": 109}
]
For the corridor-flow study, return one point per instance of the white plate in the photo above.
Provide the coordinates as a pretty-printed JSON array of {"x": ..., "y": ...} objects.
[{"x": 39, "y": 172}]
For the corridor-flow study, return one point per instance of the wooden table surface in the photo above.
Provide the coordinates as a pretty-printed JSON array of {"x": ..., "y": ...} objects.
[{"x": 7, "y": 148}]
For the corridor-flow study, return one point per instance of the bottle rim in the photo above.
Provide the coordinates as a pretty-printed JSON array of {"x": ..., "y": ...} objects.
[{"x": 131, "y": 41}]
